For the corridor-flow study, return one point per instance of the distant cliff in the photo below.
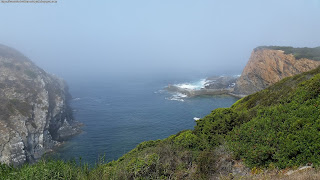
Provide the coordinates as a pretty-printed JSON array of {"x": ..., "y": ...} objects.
[
  {"x": 34, "y": 111},
  {"x": 268, "y": 65}
]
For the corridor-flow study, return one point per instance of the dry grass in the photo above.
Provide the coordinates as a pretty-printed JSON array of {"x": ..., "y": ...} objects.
[{"x": 287, "y": 174}]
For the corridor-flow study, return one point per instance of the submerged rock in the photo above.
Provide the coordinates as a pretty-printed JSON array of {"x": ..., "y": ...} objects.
[{"x": 34, "y": 111}]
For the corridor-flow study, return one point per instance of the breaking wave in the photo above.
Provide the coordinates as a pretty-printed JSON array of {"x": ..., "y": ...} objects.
[
  {"x": 196, "y": 85},
  {"x": 177, "y": 97}
]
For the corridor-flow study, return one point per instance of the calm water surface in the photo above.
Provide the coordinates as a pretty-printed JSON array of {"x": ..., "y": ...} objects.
[{"x": 120, "y": 114}]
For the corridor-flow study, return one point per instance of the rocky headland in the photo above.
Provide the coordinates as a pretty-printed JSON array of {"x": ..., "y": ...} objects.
[
  {"x": 266, "y": 66},
  {"x": 34, "y": 112}
]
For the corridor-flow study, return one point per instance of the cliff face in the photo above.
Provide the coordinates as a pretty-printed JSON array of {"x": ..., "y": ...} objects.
[
  {"x": 34, "y": 111},
  {"x": 266, "y": 67}
]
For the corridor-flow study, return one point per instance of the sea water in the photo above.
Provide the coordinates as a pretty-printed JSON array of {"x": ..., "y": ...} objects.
[{"x": 119, "y": 113}]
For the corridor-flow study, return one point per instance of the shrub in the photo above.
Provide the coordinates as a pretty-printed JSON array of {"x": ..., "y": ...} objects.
[{"x": 287, "y": 134}]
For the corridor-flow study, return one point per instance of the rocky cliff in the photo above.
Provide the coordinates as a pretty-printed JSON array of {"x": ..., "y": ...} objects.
[
  {"x": 267, "y": 66},
  {"x": 34, "y": 111}
]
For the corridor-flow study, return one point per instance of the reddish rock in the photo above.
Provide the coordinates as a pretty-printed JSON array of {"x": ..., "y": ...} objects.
[{"x": 266, "y": 67}]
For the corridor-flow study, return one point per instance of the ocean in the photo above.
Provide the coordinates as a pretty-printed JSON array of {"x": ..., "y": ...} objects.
[{"x": 119, "y": 113}]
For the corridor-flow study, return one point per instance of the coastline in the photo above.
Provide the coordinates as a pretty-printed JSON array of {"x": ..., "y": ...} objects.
[
  {"x": 237, "y": 95},
  {"x": 204, "y": 91}
]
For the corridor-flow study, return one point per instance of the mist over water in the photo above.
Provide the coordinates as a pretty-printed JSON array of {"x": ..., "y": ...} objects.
[
  {"x": 119, "y": 114},
  {"x": 80, "y": 38},
  {"x": 117, "y": 56}
]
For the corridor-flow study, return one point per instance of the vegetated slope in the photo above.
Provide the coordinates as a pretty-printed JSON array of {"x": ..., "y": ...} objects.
[
  {"x": 269, "y": 64},
  {"x": 276, "y": 127},
  {"x": 298, "y": 53},
  {"x": 34, "y": 111},
  {"x": 284, "y": 127}
]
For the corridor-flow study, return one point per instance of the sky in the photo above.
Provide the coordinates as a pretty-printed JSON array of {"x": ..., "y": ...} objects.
[{"x": 75, "y": 38}]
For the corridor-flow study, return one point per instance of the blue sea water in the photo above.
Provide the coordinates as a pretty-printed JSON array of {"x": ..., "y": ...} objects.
[{"x": 118, "y": 114}]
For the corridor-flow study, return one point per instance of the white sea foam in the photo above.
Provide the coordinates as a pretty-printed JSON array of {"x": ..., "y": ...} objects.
[
  {"x": 181, "y": 95},
  {"x": 177, "y": 97},
  {"x": 196, "y": 118},
  {"x": 76, "y": 99},
  {"x": 196, "y": 85},
  {"x": 159, "y": 91},
  {"x": 232, "y": 85}
]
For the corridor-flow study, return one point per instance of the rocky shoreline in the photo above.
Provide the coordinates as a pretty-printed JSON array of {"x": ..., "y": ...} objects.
[
  {"x": 191, "y": 93},
  {"x": 265, "y": 67},
  {"x": 217, "y": 85},
  {"x": 194, "y": 92},
  {"x": 35, "y": 115}
]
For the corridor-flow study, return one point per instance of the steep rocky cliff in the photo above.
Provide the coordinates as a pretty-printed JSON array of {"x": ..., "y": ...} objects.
[
  {"x": 34, "y": 111},
  {"x": 267, "y": 66}
]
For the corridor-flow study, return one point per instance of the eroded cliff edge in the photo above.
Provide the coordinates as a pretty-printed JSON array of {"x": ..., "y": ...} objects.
[
  {"x": 268, "y": 65},
  {"x": 34, "y": 111}
]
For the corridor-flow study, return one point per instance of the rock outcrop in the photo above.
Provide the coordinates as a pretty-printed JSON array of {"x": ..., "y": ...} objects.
[
  {"x": 267, "y": 66},
  {"x": 221, "y": 82},
  {"x": 215, "y": 85},
  {"x": 34, "y": 111}
]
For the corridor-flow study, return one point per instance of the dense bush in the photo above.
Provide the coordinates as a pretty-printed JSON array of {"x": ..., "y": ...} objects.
[
  {"x": 49, "y": 169},
  {"x": 213, "y": 128},
  {"x": 278, "y": 126},
  {"x": 286, "y": 134}
]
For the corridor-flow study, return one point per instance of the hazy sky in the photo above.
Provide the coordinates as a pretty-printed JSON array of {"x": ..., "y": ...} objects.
[{"x": 128, "y": 37}]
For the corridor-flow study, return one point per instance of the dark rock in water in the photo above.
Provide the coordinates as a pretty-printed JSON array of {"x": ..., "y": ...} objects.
[
  {"x": 221, "y": 82},
  {"x": 215, "y": 85},
  {"x": 34, "y": 111},
  {"x": 174, "y": 88}
]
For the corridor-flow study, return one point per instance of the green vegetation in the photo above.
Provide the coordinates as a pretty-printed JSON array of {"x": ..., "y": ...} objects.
[
  {"x": 309, "y": 53},
  {"x": 284, "y": 134},
  {"x": 277, "y": 127},
  {"x": 174, "y": 157},
  {"x": 50, "y": 169}
]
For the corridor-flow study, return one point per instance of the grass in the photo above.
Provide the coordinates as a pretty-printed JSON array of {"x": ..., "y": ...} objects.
[{"x": 277, "y": 174}]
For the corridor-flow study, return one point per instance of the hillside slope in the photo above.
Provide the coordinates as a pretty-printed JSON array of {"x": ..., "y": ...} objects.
[
  {"x": 34, "y": 111},
  {"x": 278, "y": 127}
]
